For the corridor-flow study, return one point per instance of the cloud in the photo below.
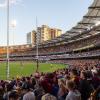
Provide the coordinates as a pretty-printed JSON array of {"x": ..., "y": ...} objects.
[{"x": 11, "y": 2}]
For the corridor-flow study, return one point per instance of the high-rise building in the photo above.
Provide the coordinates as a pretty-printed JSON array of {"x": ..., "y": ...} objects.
[
  {"x": 54, "y": 33},
  {"x": 58, "y": 32},
  {"x": 31, "y": 38},
  {"x": 47, "y": 33},
  {"x": 39, "y": 35},
  {"x": 44, "y": 33}
]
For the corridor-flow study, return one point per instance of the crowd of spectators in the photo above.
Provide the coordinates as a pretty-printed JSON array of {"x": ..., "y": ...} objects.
[
  {"x": 79, "y": 63},
  {"x": 70, "y": 83},
  {"x": 71, "y": 55},
  {"x": 69, "y": 47},
  {"x": 25, "y": 57}
]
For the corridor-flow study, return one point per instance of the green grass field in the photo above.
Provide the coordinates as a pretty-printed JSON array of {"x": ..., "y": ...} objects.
[{"x": 27, "y": 68}]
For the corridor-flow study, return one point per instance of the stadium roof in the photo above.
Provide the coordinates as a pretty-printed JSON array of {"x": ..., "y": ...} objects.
[
  {"x": 90, "y": 20},
  {"x": 83, "y": 28}
]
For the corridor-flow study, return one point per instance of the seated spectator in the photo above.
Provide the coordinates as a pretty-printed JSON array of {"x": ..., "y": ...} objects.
[{"x": 72, "y": 94}]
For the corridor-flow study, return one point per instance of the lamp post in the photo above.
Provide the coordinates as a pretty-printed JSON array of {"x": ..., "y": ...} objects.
[{"x": 7, "y": 71}]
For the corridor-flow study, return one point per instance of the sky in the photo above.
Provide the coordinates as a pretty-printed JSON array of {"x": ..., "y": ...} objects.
[{"x": 63, "y": 14}]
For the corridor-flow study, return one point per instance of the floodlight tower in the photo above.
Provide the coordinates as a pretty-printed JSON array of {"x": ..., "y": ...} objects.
[
  {"x": 37, "y": 43},
  {"x": 7, "y": 70}
]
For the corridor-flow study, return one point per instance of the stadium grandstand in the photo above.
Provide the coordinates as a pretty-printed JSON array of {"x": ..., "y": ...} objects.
[
  {"x": 79, "y": 48},
  {"x": 80, "y": 44}
]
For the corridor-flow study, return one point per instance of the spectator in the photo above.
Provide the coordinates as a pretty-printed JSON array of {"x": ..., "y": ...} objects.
[
  {"x": 48, "y": 96},
  {"x": 84, "y": 86},
  {"x": 72, "y": 94},
  {"x": 74, "y": 77},
  {"x": 62, "y": 89},
  {"x": 29, "y": 95},
  {"x": 13, "y": 95}
]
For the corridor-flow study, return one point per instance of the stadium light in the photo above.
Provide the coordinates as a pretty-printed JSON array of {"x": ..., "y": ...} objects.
[
  {"x": 7, "y": 71},
  {"x": 37, "y": 43},
  {"x": 80, "y": 32},
  {"x": 97, "y": 23}
]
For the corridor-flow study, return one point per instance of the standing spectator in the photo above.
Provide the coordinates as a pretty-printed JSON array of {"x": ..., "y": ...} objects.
[
  {"x": 74, "y": 77},
  {"x": 13, "y": 95},
  {"x": 72, "y": 94},
  {"x": 62, "y": 89},
  {"x": 8, "y": 89},
  {"x": 29, "y": 95},
  {"x": 84, "y": 87}
]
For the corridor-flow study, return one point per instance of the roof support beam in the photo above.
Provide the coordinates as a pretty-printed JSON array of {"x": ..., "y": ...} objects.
[
  {"x": 86, "y": 23},
  {"x": 96, "y": 7},
  {"x": 79, "y": 28},
  {"x": 91, "y": 16},
  {"x": 72, "y": 32}
]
